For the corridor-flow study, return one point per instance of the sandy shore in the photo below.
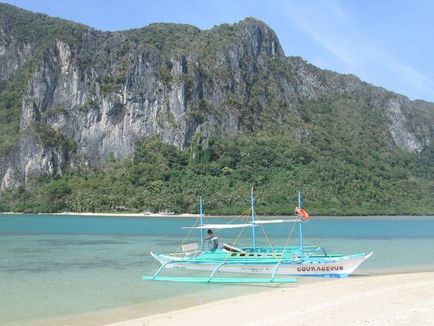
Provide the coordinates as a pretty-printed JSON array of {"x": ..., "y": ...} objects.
[
  {"x": 120, "y": 214},
  {"x": 400, "y": 299},
  {"x": 111, "y": 214},
  {"x": 128, "y": 214}
]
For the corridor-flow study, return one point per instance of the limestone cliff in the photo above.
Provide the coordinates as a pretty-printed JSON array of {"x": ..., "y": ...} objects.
[{"x": 82, "y": 96}]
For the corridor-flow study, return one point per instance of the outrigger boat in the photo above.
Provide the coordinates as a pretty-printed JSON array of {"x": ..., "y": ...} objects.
[{"x": 275, "y": 261}]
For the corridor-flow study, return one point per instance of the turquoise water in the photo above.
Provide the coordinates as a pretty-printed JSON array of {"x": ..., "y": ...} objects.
[{"x": 72, "y": 267}]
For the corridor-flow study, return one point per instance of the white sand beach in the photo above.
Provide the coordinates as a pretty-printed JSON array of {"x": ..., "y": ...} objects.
[
  {"x": 399, "y": 299},
  {"x": 127, "y": 214}
]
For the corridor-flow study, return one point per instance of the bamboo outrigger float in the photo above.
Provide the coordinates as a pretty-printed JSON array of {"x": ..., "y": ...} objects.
[{"x": 275, "y": 262}]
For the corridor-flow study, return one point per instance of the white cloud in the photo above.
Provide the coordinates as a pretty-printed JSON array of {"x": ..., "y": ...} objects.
[{"x": 327, "y": 23}]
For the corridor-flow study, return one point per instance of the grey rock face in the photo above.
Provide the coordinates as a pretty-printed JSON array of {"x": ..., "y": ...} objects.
[
  {"x": 88, "y": 100},
  {"x": 13, "y": 55},
  {"x": 402, "y": 137}
]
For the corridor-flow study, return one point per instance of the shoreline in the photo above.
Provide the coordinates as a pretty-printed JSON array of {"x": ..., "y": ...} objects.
[
  {"x": 128, "y": 214},
  {"x": 106, "y": 214},
  {"x": 302, "y": 303},
  {"x": 404, "y": 298},
  {"x": 187, "y": 215}
]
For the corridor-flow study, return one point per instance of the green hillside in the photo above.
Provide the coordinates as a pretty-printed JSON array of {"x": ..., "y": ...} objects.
[{"x": 341, "y": 181}]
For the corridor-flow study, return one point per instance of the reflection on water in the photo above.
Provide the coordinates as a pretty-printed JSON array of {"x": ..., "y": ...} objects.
[{"x": 60, "y": 265}]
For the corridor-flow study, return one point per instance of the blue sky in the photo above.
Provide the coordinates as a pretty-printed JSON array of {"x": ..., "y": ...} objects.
[{"x": 384, "y": 42}]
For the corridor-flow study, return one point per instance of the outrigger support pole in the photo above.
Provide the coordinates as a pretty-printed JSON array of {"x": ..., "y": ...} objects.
[
  {"x": 300, "y": 226},
  {"x": 160, "y": 269},
  {"x": 215, "y": 270},
  {"x": 274, "y": 272}
]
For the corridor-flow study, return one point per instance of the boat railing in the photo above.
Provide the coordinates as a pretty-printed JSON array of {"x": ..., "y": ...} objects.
[
  {"x": 190, "y": 247},
  {"x": 188, "y": 250},
  {"x": 314, "y": 251}
]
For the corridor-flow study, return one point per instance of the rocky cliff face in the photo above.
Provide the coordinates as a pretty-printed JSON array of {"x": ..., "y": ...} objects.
[{"x": 88, "y": 95}]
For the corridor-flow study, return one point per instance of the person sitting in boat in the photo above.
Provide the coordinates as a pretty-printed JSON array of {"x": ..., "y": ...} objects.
[{"x": 213, "y": 240}]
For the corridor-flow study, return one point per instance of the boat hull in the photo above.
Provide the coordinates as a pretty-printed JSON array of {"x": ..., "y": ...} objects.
[{"x": 322, "y": 267}]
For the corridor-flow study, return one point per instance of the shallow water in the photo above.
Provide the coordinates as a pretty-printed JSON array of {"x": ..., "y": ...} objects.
[{"x": 54, "y": 266}]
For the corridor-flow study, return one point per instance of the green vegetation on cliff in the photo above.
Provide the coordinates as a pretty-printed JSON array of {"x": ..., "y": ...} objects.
[{"x": 159, "y": 176}]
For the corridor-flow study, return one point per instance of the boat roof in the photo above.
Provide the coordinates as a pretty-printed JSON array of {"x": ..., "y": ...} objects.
[{"x": 234, "y": 226}]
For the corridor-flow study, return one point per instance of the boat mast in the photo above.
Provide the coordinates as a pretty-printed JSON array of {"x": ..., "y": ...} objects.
[
  {"x": 201, "y": 221},
  {"x": 300, "y": 226},
  {"x": 252, "y": 203}
]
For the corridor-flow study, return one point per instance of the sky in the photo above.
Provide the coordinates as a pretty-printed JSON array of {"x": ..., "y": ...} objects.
[{"x": 386, "y": 43}]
